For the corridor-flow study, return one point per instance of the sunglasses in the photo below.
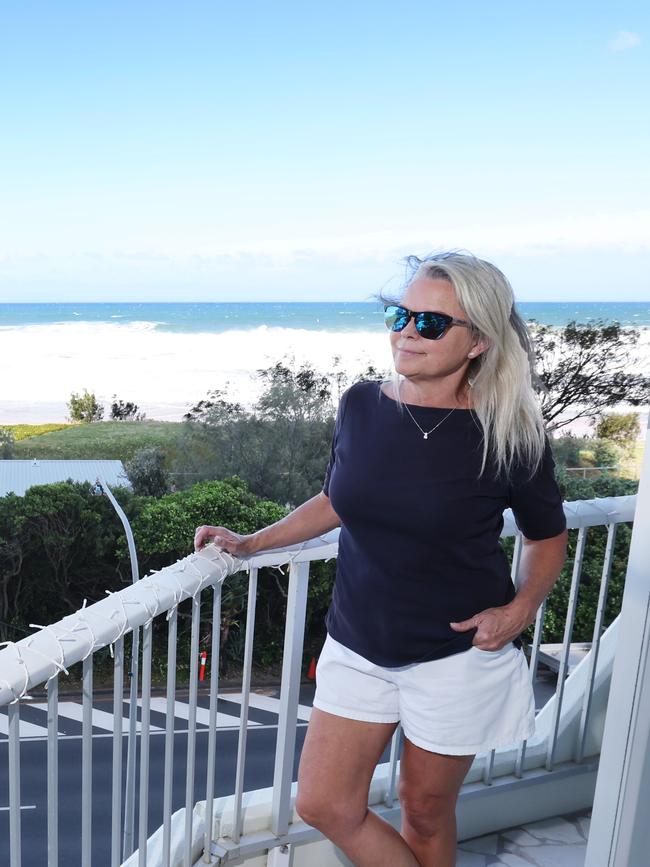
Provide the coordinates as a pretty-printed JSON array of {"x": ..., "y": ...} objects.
[{"x": 432, "y": 326}]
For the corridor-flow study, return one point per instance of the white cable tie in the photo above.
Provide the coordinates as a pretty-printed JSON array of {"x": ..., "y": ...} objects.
[
  {"x": 10, "y": 688},
  {"x": 93, "y": 640},
  {"x": 181, "y": 590},
  {"x": 22, "y": 662},
  {"x": 55, "y": 662}
]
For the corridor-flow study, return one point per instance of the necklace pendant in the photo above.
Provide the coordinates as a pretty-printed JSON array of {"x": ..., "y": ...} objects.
[{"x": 426, "y": 436}]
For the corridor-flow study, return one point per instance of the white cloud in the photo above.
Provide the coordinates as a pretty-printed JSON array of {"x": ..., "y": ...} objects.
[{"x": 624, "y": 40}]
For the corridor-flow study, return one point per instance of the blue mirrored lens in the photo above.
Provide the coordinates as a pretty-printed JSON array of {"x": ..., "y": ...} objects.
[
  {"x": 395, "y": 317},
  {"x": 429, "y": 325}
]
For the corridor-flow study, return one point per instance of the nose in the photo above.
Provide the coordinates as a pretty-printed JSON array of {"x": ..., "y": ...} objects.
[{"x": 410, "y": 330}]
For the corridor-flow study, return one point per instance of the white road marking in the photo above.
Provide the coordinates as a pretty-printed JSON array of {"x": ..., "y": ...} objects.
[
  {"x": 265, "y": 702},
  {"x": 100, "y": 718},
  {"x": 182, "y": 711},
  {"x": 27, "y": 729}
]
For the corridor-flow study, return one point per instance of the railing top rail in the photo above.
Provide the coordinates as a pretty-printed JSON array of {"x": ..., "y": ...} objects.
[{"x": 53, "y": 648}]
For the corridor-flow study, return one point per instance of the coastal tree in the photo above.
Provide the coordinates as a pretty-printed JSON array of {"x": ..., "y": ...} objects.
[
  {"x": 84, "y": 408},
  {"x": 586, "y": 368},
  {"x": 621, "y": 428},
  {"x": 125, "y": 411}
]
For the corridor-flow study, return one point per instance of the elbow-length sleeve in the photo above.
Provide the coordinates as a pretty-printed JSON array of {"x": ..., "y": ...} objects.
[
  {"x": 536, "y": 502},
  {"x": 335, "y": 436}
]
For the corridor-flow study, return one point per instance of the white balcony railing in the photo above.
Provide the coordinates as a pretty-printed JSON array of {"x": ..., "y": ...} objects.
[{"x": 556, "y": 768}]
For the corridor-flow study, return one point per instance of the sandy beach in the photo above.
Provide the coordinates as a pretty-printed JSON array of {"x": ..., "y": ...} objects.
[{"x": 167, "y": 373}]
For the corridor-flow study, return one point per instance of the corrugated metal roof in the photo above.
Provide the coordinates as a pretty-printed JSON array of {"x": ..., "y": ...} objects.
[{"x": 18, "y": 476}]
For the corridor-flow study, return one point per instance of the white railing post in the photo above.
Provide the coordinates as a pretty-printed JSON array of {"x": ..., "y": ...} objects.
[
  {"x": 619, "y": 830},
  {"x": 291, "y": 670}
]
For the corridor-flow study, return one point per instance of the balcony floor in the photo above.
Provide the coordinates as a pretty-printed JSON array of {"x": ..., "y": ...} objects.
[{"x": 557, "y": 842}]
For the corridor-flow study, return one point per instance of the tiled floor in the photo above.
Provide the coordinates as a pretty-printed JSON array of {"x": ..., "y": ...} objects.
[{"x": 557, "y": 842}]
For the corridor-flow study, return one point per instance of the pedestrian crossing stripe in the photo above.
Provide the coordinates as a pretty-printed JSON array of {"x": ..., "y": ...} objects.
[{"x": 105, "y": 721}]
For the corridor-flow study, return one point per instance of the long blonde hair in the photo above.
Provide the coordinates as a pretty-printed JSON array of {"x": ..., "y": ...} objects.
[{"x": 502, "y": 378}]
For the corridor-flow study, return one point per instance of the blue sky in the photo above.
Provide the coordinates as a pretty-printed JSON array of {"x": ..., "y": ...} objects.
[{"x": 220, "y": 151}]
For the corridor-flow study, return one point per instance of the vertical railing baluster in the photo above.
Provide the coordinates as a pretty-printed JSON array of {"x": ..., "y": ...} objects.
[
  {"x": 212, "y": 719},
  {"x": 566, "y": 646},
  {"x": 243, "y": 719},
  {"x": 532, "y": 674},
  {"x": 517, "y": 550},
  {"x": 116, "y": 785},
  {"x": 389, "y": 797},
  {"x": 143, "y": 809},
  {"x": 53, "y": 772},
  {"x": 291, "y": 672},
  {"x": 595, "y": 643},
  {"x": 15, "y": 843},
  {"x": 129, "y": 794},
  {"x": 191, "y": 727},
  {"x": 87, "y": 762},
  {"x": 172, "y": 631}
]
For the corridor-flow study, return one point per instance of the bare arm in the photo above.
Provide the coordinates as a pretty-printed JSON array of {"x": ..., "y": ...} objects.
[
  {"x": 539, "y": 568},
  {"x": 313, "y": 518}
]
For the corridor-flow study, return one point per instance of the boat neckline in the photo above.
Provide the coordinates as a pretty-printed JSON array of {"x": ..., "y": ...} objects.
[{"x": 419, "y": 405}]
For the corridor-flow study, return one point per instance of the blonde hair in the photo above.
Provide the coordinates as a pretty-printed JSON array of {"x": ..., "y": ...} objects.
[{"x": 502, "y": 378}]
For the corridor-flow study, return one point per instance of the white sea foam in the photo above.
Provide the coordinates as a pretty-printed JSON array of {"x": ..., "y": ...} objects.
[{"x": 164, "y": 373}]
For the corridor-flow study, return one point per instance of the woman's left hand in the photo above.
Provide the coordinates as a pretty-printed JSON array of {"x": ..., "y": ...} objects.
[{"x": 495, "y": 626}]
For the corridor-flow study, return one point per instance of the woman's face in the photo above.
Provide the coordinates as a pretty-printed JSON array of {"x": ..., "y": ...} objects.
[{"x": 418, "y": 357}]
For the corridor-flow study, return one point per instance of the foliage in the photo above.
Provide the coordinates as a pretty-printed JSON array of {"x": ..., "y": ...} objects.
[
  {"x": 84, "y": 408},
  {"x": 60, "y": 544},
  {"x": 7, "y": 442},
  {"x": 121, "y": 411},
  {"x": 280, "y": 447},
  {"x": 574, "y": 451},
  {"x": 621, "y": 428},
  {"x": 146, "y": 472},
  {"x": 585, "y": 368}
]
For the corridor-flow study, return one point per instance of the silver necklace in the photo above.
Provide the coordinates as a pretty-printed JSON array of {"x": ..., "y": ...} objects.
[{"x": 425, "y": 433}]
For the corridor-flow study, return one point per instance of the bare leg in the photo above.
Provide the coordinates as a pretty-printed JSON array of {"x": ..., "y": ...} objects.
[
  {"x": 338, "y": 759},
  {"x": 428, "y": 786}
]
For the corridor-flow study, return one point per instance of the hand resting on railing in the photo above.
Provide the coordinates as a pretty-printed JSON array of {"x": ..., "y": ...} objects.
[{"x": 313, "y": 518}]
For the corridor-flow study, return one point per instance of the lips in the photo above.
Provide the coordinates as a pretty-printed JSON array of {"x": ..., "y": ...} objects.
[{"x": 410, "y": 351}]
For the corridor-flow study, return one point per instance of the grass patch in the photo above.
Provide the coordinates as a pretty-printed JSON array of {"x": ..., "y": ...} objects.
[
  {"x": 25, "y": 431},
  {"x": 106, "y": 440}
]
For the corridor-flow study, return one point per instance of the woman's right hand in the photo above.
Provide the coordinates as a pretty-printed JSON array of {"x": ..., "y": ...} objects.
[{"x": 226, "y": 540}]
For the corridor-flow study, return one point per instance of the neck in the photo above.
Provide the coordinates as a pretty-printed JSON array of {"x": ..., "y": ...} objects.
[{"x": 415, "y": 393}]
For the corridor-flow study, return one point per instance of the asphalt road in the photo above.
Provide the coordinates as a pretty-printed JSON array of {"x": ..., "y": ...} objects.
[{"x": 260, "y": 757}]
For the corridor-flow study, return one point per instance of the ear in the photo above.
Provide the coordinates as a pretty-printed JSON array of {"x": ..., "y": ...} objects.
[{"x": 478, "y": 347}]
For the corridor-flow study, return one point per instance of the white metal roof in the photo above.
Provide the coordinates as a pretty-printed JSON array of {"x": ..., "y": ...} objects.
[{"x": 18, "y": 476}]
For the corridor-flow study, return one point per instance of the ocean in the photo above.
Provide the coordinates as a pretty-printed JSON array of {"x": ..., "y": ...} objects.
[
  {"x": 167, "y": 356},
  {"x": 196, "y": 317}
]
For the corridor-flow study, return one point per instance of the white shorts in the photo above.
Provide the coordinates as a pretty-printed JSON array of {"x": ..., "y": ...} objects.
[{"x": 469, "y": 702}]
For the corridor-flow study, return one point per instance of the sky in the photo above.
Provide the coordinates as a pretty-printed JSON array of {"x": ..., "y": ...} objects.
[{"x": 214, "y": 151}]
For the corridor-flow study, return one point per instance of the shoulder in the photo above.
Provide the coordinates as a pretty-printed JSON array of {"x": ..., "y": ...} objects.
[{"x": 361, "y": 391}]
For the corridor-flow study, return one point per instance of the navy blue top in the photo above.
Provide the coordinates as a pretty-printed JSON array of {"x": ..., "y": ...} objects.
[{"x": 419, "y": 540}]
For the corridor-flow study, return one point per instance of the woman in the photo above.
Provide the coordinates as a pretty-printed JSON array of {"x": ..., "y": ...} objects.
[{"x": 424, "y": 622}]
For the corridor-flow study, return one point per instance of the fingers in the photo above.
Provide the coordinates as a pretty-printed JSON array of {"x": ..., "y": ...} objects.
[
  {"x": 204, "y": 535},
  {"x": 219, "y": 536}
]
